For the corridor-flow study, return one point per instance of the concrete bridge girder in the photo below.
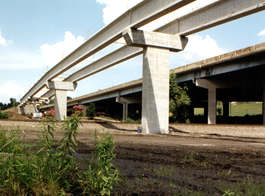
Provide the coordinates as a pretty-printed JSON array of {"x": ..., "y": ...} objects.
[{"x": 212, "y": 15}]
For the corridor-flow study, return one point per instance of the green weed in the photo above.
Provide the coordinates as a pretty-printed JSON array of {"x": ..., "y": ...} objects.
[
  {"x": 244, "y": 188},
  {"x": 101, "y": 175},
  {"x": 54, "y": 169}
]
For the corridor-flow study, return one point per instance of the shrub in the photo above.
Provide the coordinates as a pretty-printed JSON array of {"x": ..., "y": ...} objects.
[
  {"x": 179, "y": 101},
  {"x": 3, "y": 115},
  {"x": 90, "y": 111},
  {"x": 101, "y": 175}
]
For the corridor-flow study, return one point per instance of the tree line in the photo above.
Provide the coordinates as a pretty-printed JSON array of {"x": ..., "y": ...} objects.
[{"x": 12, "y": 103}]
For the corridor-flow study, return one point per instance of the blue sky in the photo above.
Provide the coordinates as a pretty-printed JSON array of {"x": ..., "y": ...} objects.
[{"x": 36, "y": 34}]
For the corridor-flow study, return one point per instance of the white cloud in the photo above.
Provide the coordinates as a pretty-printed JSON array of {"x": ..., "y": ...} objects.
[
  {"x": 4, "y": 41},
  {"x": 19, "y": 60},
  {"x": 261, "y": 33},
  {"x": 115, "y": 8},
  {"x": 11, "y": 89},
  {"x": 202, "y": 47},
  {"x": 198, "y": 48},
  {"x": 53, "y": 53}
]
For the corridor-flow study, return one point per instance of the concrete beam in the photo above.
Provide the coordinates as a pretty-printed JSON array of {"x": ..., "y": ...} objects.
[
  {"x": 136, "y": 17},
  {"x": 221, "y": 12},
  {"x": 204, "y": 83},
  {"x": 127, "y": 100},
  {"x": 203, "y": 69},
  {"x": 210, "y": 16},
  {"x": 118, "y": 56},
  {"x": 140, "y": 38},
  {"x": 59, "y": 85}
]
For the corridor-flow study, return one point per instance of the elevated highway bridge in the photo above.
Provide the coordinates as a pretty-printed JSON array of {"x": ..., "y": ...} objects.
[
  {"x": 236, "y": 76},
  {"x": 155, "y": 47}
]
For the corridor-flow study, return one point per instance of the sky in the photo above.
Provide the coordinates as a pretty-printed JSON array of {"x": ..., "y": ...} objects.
[{"x": 37, "y": 34}]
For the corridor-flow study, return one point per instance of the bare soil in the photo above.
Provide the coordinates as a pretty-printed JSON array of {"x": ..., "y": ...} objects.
[
  {"x": 186, "y": 165},
  {"x": 180, "y": 163},
  {"x": 13, "y": 114}
]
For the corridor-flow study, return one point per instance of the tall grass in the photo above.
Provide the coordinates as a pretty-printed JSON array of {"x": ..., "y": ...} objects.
[{"x": 53, "y": 169}]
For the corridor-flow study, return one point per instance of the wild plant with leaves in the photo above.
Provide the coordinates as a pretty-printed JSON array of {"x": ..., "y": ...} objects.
[
  {"x": 54, "y": 169},
  {"x": 101, "y": 175}
]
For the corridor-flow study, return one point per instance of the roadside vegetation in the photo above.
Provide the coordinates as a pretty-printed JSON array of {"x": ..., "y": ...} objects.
[
  {"x": 12, "y": 103},
  {"x": 53, "y": 167},
  {"x": 91, "y": 110},
  {"x": 179, "y": 101},
  {"x": 3, "y": 115}
]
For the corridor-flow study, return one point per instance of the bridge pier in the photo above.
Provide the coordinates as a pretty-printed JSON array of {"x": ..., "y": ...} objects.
[
  {"x": 263, "y": 105},
  {"x": 60, "y": 102},
  {"x": 155, "y": 94},
  {"x": 125, "y": 104},
  {"x": 211, "y": 105},
  {"x": 211, "y": 86},
  {"x": 156, "y": 61},
  {"x": 20, "y": 109}
]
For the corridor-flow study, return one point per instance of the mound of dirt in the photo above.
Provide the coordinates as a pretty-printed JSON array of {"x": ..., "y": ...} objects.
[{"x": 14, "y": 115}]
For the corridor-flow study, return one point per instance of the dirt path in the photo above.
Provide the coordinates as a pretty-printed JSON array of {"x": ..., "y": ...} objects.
[{"x": 183, "y": 163}]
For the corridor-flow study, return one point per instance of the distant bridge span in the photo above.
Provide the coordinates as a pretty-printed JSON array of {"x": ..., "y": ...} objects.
[{"x": 155, "y": 47}]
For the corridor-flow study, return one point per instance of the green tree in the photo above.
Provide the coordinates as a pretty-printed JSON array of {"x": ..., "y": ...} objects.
[
  {"x": 13, "y": 102},
  {"x": 90, "y": 111},
  {"x": 179, "y": 101}
]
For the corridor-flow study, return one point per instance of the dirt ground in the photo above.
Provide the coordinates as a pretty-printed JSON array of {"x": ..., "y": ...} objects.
[
  {"x": 177, "y": 164},
  {"x": 13, "y": 114},
  {"x": 187, "y": 165}
]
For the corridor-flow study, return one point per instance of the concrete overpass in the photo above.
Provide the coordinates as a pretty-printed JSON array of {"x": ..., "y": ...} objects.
[
  {"x": 155, "y": 47},
  {"x": 223, "y": 72}
]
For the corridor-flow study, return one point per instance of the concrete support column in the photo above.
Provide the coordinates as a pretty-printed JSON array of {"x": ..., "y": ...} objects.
[
  {"x": 125, "y": 101},
  {"x": 155, "y": 93},
  {"x": 226, "y": 108},
  {"x": 211, "y": 86},
  {"x": 263, "y": 106},
  {"x": 124, "y": 111},
  {"x": 20, "y": 109},
  {"x": 61, "y": 89},
  {"x": 211, "y": 105},
  {"x": 60, "y": 104}
]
